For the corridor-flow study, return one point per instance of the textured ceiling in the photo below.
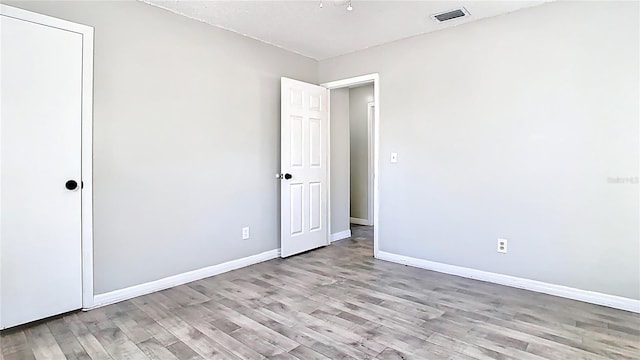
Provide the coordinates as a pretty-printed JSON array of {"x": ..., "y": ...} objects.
[{"x": 320, "y": 33}]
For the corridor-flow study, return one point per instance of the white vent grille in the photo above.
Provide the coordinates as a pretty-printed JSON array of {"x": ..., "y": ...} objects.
[{"x": 450, "y": 15}]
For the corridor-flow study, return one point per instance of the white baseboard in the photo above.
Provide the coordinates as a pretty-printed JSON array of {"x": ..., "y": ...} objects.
[
  {"x": 592, "y": 297},
  {"x": 340, "y": 235},
  {"x": 359, "y": 221},
  {"x": 171, "y": 281}
]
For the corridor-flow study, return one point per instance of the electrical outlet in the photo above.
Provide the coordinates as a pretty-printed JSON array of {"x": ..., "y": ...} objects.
[
  {"x": 502, "y": 246},
  {"x": 245, "y": 233}
]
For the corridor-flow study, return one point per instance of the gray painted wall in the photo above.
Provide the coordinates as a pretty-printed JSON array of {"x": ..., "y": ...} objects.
[
  {"x": 514, "y": 127},
  {"x": 339, "y": 160},
  {"x": 186, "y": 140},
  {"x": 359, "y": 98}
]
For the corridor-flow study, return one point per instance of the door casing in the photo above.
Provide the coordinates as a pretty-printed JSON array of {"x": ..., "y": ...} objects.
[
  {"x": 371, "y": 115},
  {"x": 348, "y": 82}
]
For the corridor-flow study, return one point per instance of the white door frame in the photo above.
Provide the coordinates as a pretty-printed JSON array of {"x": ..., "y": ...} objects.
[
  {"x": 371, "y": 108},
  {"x": 349, "y": 82},
  {"x": 86, "y": 134},
  {"x": 370, "y": 175}
]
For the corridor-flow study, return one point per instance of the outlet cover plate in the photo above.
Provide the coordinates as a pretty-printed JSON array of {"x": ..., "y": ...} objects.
[{"x": 502, "y": 246}]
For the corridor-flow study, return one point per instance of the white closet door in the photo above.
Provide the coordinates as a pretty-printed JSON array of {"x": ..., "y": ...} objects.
[{"x": 40, "y": 154}]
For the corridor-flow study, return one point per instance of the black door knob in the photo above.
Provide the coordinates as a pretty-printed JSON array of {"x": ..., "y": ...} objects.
[
  {"x": 288, "y": 176},
  {"x": 71, "y": 184}
]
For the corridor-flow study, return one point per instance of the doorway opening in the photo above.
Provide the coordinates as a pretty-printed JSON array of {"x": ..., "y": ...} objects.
[{"x": 353, "y": 122}]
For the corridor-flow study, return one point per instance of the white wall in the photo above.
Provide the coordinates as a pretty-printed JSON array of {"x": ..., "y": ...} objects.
[
  {"x": 339, "y": 160},
  {"x": 186, "y": 140},
  {"x": 515, "y": 127},
  {"x": 359, "y": 98}
]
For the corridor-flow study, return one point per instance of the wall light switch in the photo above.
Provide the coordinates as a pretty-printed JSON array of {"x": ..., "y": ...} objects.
[{"x": 394, "y": 158}]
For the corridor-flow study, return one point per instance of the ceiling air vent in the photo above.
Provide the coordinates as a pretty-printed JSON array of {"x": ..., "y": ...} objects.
[{"x": 450, "y": 15}]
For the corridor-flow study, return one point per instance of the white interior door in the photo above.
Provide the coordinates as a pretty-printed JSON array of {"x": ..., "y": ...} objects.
[
  {"x": 304, "y": 143},
  {"x": 40, "y": 154}
]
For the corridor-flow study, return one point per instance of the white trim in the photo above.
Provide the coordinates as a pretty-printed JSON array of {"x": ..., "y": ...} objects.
[
  {"x": 329, "y": 234},
  {"x": 86, "y": 134},
  {"x": 341, "y": 235},
  {"x": 358, "y": 80},
  {"x": 171, "y": 281},
  {"x": 350, "y": 82},
  {"x": 371, "y": 108},
  {"x": 87, "y": 168},
  {"x": 376, "y": 167},
  {"x": 592, "y": 297},
  {"x": 359, "y": 221}
]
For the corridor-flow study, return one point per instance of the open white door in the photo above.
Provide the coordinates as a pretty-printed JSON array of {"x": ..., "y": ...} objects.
[{"x": 304, "y": 170}]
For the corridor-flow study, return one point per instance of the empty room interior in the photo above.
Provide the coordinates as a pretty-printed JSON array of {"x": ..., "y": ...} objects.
[{"x": 319, "y": 179}]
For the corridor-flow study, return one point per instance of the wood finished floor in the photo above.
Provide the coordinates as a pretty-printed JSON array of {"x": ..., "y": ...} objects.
[{"x": 334, "y": 303}]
